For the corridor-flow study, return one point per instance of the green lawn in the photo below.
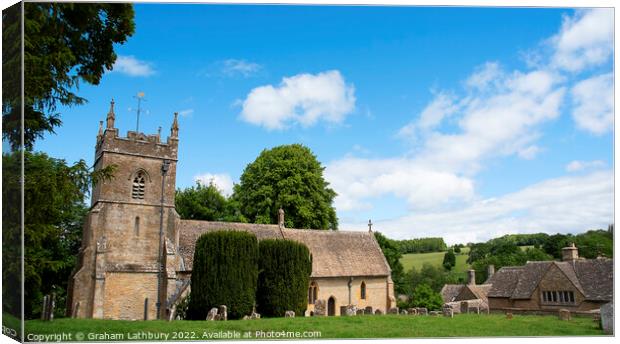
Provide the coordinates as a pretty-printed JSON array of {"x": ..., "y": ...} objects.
[
  {"x": 416, "y": 260},
  {"x": 385, "y": 326}
]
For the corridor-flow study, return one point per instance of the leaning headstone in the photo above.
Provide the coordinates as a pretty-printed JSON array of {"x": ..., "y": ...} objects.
[
  {"x": 254, "y": 316},
  {"x": 564, "y": 314},
  {"x": 508, "y": 315},
  {"x": 246, "y": 317},
  {"x": 360, "y": 312},
  {"x": 607, "y": 318},
  {"x": 393, "y": 310},
  {"x": 378, "y": 312},
  {"x": 350, "y": 310},
  {"x": 212, "y": 313},
  {"x": 44, "y": 308},
  {"x": 404, "y": 312},
  {"x": 223, "y": 313},
  {"x": 412, "y": 311},
  {"x": 319, "y": 308},
  {"x": 447, "y": 311},
  {"x": 289, "y": 314},
  {"x": 434, "y": 313},
  {"x": 368, "y": 310},
  {"x": 422, "y": 311}
]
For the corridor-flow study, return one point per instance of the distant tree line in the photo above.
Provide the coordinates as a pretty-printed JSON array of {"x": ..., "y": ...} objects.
[{"x": 421, "y": 245}]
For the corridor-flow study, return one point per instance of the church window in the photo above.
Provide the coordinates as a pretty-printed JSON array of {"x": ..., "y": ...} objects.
[
  {"x": 558, "y": 297},
  {"x": 137, "y": 189},
  {"x": 312, "y": 293},
  {"x": 363, "y": 291},
  {"x": 136, "y": 226}
]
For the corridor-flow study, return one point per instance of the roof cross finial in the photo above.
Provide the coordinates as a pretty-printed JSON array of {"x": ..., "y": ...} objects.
[{"x": 369, "y": 225}]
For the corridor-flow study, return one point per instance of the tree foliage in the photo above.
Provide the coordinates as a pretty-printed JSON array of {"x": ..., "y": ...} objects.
[
  {"x": 284, "y": 273},
  {"x": 425, "y": 296},
  {"x": 54, "y": 195},
  {"x": 449, "y": 260},
  {"x": 421, "y": 245},
  {"x": 288, "y": 177},
  {"x": 225, "y": 272},
  {"x": 591, "y": 244},
  {"x": 392, "y": 255},
  {"x": 64, "y": 44},
  {"x": 207, "y": 203}
]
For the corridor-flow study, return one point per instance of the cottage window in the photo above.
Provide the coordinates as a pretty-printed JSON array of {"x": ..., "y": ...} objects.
[
  {"x": 363, "y": 291},
  {"x": 558, "y": 296},
  {"x": 313, "y": 293},
  {"x": 137, "y": 188}
]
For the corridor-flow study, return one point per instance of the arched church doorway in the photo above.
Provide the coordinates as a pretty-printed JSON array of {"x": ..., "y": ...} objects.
[{"x": 331, "y": 306}]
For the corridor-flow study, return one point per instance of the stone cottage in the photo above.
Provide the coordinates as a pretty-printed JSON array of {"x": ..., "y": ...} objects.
[
  {"x": 135, "y": 261},
  {"x": 462, "y": 296},
  {"x": 575, "y": 284}
]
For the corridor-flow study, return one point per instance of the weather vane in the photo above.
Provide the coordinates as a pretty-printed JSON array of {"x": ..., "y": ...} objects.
[{"x": 140, "y": 97}]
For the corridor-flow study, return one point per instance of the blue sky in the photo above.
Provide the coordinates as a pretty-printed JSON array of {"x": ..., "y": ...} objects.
[{"x": 465, "y": 123}]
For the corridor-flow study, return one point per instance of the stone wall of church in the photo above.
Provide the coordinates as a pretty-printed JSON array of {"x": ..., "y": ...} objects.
[
  {"x": 125, "y": 295},
  {"x": 337, "y": 287}
]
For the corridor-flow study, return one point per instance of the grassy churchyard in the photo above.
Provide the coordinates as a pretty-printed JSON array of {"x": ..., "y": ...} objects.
[{"x": 384, "y": 326}]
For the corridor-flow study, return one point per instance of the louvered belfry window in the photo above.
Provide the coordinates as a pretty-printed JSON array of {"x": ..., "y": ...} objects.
[{"x": 137, "y": 189}]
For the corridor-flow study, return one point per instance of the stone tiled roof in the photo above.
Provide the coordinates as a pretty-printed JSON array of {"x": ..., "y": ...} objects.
[
  {"x": 334, "y": 253},
  {"x": 593, "y": 277},
  {"x": 480, "y": 290},
  {"x": 450, "y": 291}
]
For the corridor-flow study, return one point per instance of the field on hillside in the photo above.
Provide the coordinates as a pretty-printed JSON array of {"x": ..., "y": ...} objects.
[
  {"x": 434, "y": 258},
  {"x": 384, "y": 326}
]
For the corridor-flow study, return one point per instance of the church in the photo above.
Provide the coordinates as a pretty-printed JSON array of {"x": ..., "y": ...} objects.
[{"x": 135, "y": 262}]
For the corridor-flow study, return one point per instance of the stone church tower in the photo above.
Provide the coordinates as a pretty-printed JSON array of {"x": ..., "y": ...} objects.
[{"x": 128, "y": 261}]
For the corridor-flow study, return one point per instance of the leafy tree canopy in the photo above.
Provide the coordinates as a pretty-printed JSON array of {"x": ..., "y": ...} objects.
[
  {"x": 449, "y": 260},
  {"x": 392, "y": 255},
  {"x": 64, "y": 44},
  {"x": 54, "y": 194},
  {"x": 425, "y": 296},
  {"x": 288, "y": 177},
  {"x": 207, "y": 203}
]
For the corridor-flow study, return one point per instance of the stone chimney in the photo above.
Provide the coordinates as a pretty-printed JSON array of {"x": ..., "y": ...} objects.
[
  {"x": 570, "y": 253},
  {"x": 471, "y": 277},
  {"x": 490, "y": 271},
  {"x": 281, "y": 218}
]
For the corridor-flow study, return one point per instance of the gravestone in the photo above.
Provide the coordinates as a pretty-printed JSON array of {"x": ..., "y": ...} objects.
[
  {"x": 254, "y": 316},
  {"x": 223, "y": 313},
  {"x": 404, "y": 312},
  {"x": 368, "y": 310},
  {"x": 607, "y": 318},
  {"x": 393, "y": 310},
  {"x": 246, "y": 317},
  {"x": 289, "y": 314},
  {"x": 343, "y": 310},
  {"x": 508, "y": 315},
  {"x": 350, "y": 310},
  {"x": 412, "y": 311},
  {"x": 434, "y": 313},
  {"x": 319, "y": 308},
  {"x": 422, "y": 311},
  {"x": 378, "y": 312},
  {"x": 447, "y": 311},
  {"x": 360, "y": 312},
  {"x": 564, "y": 314},
  {"x": 212, "y": 313}
]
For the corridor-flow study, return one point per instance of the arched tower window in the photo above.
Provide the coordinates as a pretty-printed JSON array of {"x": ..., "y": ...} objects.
[
  {"x": 137, "y": 188},
  {"x": 313, "y": 293},
  {"x": 363, "y": 291}
]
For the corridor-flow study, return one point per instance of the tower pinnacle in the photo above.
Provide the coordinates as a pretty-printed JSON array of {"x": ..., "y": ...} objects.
[
  {"x": 174, "y": 131},
  {"x": 111, "y": 116}
]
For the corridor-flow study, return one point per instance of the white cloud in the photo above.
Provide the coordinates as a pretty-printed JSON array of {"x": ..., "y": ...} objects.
[
  {"x": 222, "y": 181},
  {"x": 529, "y": 153},
  {"x": 578, "y": 165},
  {"x": 594, "y": 104},
  {"x": 565, "y": 204},
  {"x": 356, "y": 180},
  {"x": 234, "y": 67},
  {"x": 303, "y": 98},
  {"x": 585, "y": 40},
  {"x": 186, "y": 112},
  {"x": 131, "y": 66}
]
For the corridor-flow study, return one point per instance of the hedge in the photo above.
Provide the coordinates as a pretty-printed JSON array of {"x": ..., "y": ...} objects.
[
  {"x": 284, "y": 273},
  {"x": 225, "y": 272}
]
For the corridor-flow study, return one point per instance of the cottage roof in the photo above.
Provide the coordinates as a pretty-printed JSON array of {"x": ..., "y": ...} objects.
[
  {"x": 334, "y": 253},
  {"x": 592, "y": 277},
  {"x": 449, "y": 292}
]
